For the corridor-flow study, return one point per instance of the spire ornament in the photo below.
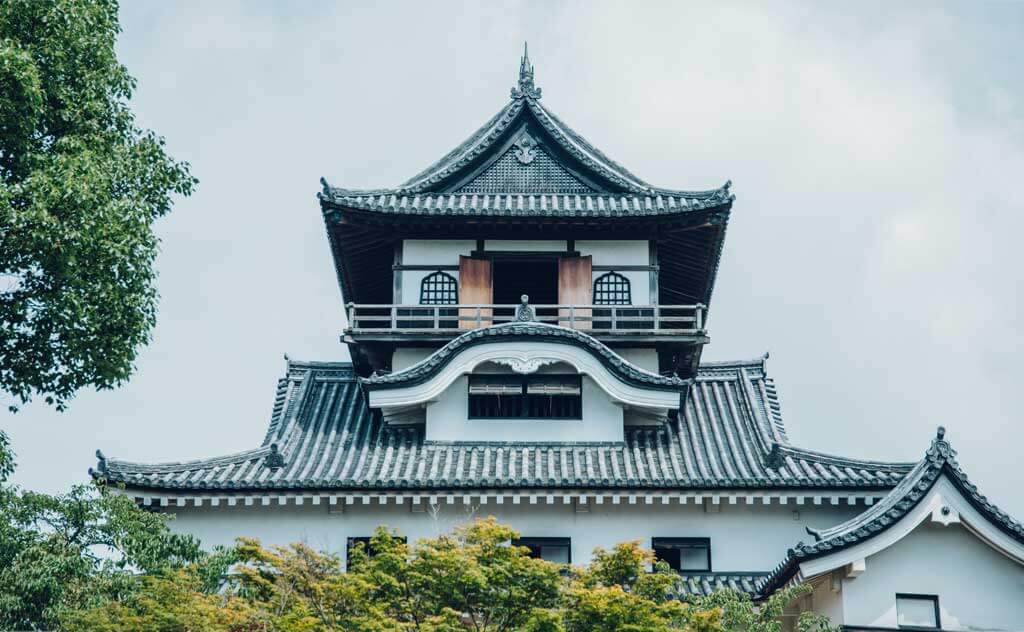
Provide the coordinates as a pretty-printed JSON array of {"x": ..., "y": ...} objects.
[{"x": 525, "y": 88}]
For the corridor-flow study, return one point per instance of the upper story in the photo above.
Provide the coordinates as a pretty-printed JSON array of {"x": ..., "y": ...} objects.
[{"x": 526, "y": 211}]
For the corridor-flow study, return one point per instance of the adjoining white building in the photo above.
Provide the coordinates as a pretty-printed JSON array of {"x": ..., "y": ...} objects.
[{"x": 525, "y": 320}]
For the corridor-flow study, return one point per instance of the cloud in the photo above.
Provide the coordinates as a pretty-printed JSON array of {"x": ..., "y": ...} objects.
[{"x": 873, "y": 246}]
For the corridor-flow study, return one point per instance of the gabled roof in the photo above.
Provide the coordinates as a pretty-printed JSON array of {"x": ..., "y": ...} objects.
[
  {"x": 323, "y": 436},
  {"x": 525, "y": 174},
  {"x": 520, "y": 332},
  {"x": 939, "y": 460},
  {"x": 526, "y": 149}
]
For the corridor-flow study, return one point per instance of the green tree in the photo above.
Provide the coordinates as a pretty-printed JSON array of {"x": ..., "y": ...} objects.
[
  {"x": 78, "y": 550},
  {"x": 80, "y": 188}
]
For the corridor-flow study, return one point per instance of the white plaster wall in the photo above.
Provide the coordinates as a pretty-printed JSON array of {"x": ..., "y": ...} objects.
[
  {"x": 432, "y": 252},
  {"x": 446, "y": 252},
  {"x": 618, "y": 253},
  {"x": 405, "y": 357},
  {"x": 643, "y": 358},
  {"x": 743, "y": 537},
  {"x": 826, "y": 601},
  {"x": 524, "y": 245},
  {"x": 448, "y": 420},
  {"x": 978, "y": 588},
  {"x": 435, "y": 251}
]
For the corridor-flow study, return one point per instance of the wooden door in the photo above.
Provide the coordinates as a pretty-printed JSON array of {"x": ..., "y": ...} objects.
[
  {"x": 575, "y": 288},
  {"x": 475, "y": 288}
]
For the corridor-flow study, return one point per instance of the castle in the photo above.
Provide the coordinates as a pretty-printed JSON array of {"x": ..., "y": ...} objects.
[{"x": 526, "y": 319}]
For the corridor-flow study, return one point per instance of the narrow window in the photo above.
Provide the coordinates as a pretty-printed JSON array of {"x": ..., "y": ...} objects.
[
  {"x": 439, "y": 288},
  {"x": 684, "y": 554},
  {"x": 612, "y": 289},
  {"x": 530, "y": 397},
  {"x": 557, "y": 550},
  {"x": 917, "y": 611}
]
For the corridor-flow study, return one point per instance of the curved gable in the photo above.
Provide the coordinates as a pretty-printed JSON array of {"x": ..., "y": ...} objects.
[{"x": 524, "y": 348}]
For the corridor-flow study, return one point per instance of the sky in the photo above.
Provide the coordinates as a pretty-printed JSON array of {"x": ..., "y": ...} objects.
[{"x": 874, "y": 246}]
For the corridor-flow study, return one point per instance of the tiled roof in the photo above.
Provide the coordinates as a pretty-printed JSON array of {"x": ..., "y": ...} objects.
[
  {"x": 524, "y": 149},
  {"x": 939, "y": 459},
  {"x": 527, "y": 204},
  {"x": 728, "y": 436},
  {"x": 522, "y": 332},
  {"x": 703, "y": 584}
]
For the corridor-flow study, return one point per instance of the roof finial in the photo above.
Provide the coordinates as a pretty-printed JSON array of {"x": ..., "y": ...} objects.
[{"x": 525, "y": 88}]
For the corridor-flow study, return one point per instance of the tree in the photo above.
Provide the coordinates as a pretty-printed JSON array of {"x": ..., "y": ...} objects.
[
  {"x": 80, "y": 188},
  {"x": 79, "y": 550},
  {"x": 469, "y": 579}
]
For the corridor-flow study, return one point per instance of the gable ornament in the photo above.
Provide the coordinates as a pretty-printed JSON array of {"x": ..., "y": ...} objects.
[
  {"x": 525, "y": 148},
  {"x": 524, "y": 365}
]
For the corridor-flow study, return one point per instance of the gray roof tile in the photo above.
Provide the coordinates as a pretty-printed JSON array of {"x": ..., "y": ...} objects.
[
  {"x": 939, "y": 459},
  {"x": 330, "y": 439}
]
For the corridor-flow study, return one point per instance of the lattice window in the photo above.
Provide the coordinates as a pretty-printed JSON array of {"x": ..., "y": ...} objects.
[
  {"x": 612, "y": 289},
  {"x": 439, "y": 288}
]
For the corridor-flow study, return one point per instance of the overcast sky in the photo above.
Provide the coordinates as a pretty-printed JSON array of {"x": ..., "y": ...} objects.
[{"x": 875, "y": 246}]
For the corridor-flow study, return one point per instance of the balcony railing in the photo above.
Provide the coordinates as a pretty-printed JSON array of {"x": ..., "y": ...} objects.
[{"x": 680, "y": 320}]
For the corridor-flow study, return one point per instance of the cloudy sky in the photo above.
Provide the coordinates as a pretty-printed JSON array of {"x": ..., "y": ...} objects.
[{"x": 874, "y": 248}]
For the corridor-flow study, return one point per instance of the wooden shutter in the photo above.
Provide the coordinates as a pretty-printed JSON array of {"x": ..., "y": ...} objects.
[
  {"x": 575, "y": 288},
  {"x": 475, "y": 287}
]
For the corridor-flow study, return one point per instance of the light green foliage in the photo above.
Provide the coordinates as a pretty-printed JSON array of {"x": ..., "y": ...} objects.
[
  {"x": 80, "y": 187},
  {"x": 171, "y": 600},
  {"x": 470, "y": 579}
]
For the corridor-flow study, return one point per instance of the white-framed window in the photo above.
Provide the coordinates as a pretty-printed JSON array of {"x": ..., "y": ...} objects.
[{"x": 917, "y": 612}]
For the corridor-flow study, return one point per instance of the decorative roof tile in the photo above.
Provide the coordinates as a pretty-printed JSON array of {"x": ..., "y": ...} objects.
[
  {"x": 703, "y": 584},
  {"x": 328, "y": 438}
]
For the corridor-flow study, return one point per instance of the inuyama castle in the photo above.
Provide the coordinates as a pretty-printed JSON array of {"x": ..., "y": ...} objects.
[{"x": 525, "y": 320}]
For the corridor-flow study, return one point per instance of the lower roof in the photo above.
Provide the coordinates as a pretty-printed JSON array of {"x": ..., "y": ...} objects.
[
  {"x": 729, "y": 434},
  {"x": 939, "y": 460}
]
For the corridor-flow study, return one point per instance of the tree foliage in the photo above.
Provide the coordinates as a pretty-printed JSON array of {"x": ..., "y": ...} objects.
[
  {"x": 468, "y": 580},
  {"x": 77, "y": 550},
  {"x": 80, "y": 188}
]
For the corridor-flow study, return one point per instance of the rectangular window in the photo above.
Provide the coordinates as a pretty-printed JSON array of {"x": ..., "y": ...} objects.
[
  {"x": 365, "y": 541},
  {"x": 557, "y": 550},
  {"x": 525, "y": 397},
  {"x": 684, "y": 554},
  {"x": 915, "y": 612}
]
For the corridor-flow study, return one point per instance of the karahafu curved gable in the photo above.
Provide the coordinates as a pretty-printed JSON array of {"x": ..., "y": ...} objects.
[{"x": 525, "y": 347}]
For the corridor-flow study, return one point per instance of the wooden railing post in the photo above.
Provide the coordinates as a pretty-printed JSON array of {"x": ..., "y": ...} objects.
[
  {"x": 615, "y": 313},
  {"x": 350, "y": 310},
  {"x": 700, "y": 317},
  {"x": 437, "y": 318},
  {"x": 394, "y": 317}
]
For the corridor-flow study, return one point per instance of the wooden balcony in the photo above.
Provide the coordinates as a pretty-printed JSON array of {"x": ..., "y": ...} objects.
[{"x": 610, "y": 323}]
